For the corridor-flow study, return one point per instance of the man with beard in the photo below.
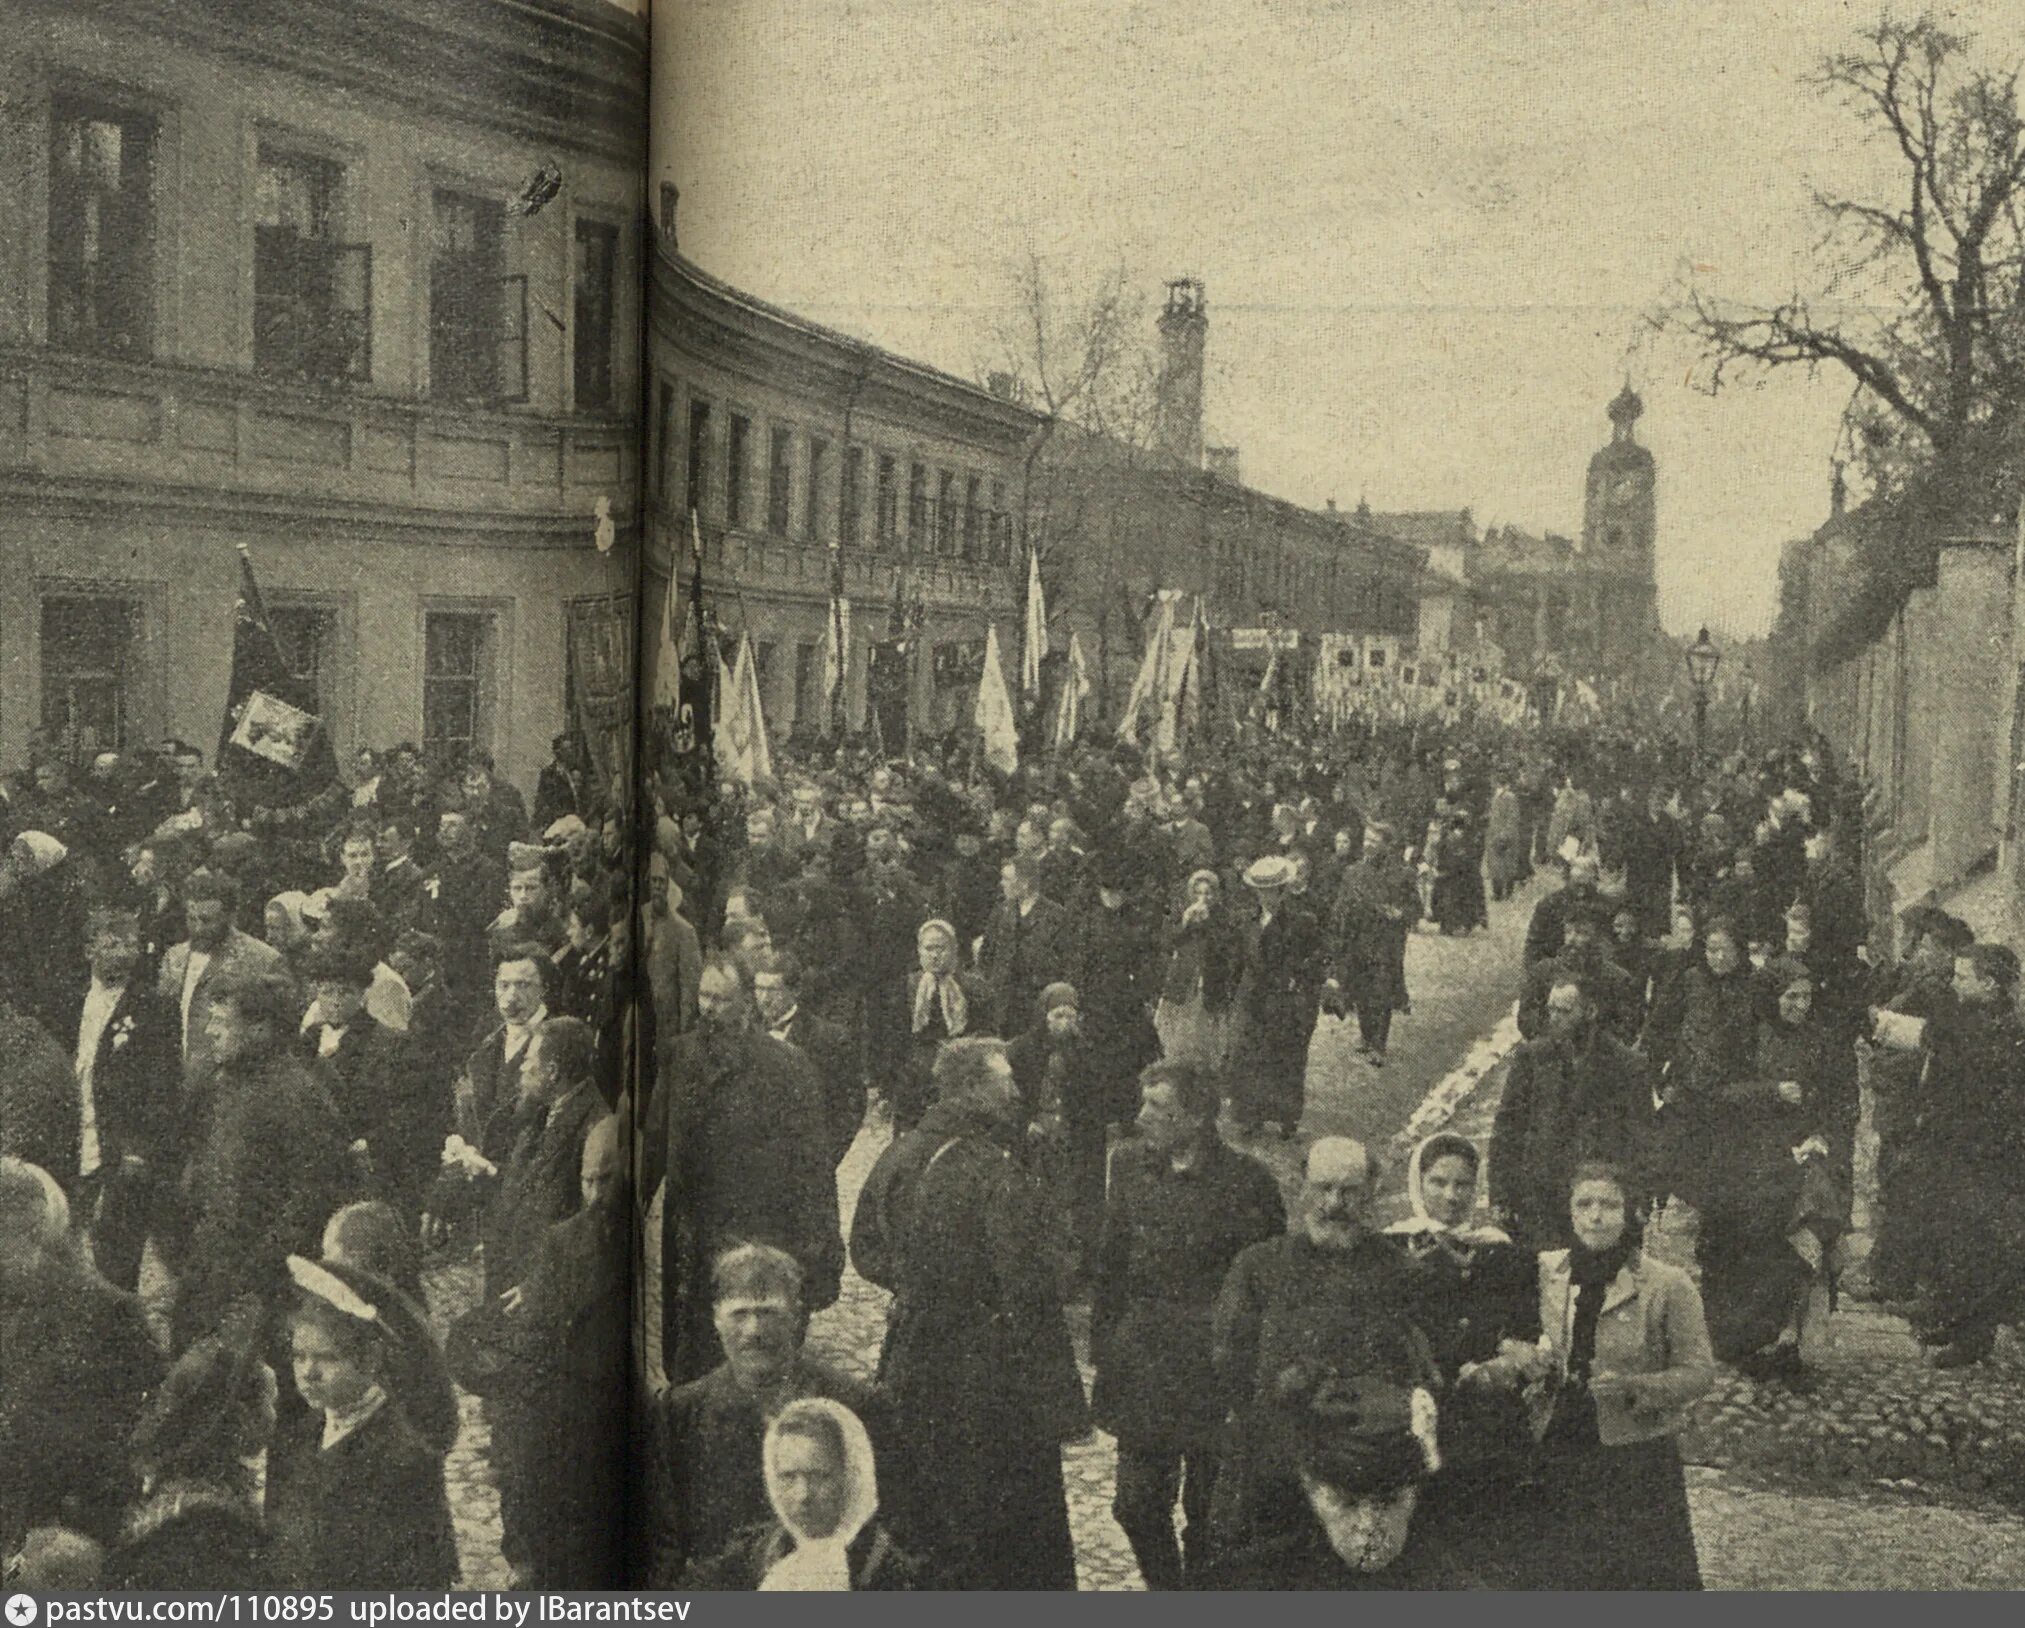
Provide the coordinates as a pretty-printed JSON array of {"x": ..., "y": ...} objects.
[
  {"x": 1620, "y": 1003},
  {"x": 1574, "y": 1094},
  {"x": 270, "y": 1165},
  {"x": 129, "y": 1104},
  {"x": 1376, "y": 907},
  {"x": 703, "y": 1469},
  {"x": 737, "y": 1125},
  {"x": 213, "y": 953},
  {"x": 1182, "y": 1206},
  {"x": 1318, "y": 1357},
  {"x": 976, "y": 1370}
]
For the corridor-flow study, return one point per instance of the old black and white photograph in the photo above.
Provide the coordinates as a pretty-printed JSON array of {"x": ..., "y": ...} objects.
[{"x": 1072, "y": 795}]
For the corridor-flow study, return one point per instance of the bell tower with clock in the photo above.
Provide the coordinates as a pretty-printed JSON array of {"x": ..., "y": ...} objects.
[{"x": 1618, "y": 526}]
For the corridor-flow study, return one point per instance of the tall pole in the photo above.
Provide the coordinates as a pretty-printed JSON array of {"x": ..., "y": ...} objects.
[{"x": 1701, "y": 723}]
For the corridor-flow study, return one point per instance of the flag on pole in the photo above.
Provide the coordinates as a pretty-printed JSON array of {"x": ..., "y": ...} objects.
[
  {"x": 837, "y": 646},
  {"x": 743, "y": 754},
  {"x": 994, "y": 715},
  {"x": 1076, "y": 687},
  {"x": 1153, "y": 683},
  {"x": 696, "y": 663},
  {"x": 272, "y": 747},
  {"x": 1034, "y": 641}
]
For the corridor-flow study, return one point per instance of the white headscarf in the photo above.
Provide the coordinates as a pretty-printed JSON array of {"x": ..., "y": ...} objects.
[
  {"x": 1422, "y": 1225},
  {"x": 931, "y": 991},
  {"x": 821, "y": 1565}
]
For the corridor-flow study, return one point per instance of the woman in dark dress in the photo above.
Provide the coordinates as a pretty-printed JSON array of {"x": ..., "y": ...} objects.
[
  {"x": 355, "y": 1498},
  {"x": 1459, "y": 876},
  {"x": 1475, "y": 1296},
  {"x": 1626, "y": 1355},
  {"x": 198, "y": 1522}
]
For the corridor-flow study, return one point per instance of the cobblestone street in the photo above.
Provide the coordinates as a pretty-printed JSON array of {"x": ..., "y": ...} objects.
[{"x": 1823, "y": 1492}]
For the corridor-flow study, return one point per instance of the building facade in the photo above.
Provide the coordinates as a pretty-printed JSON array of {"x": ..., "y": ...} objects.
[
  {"x": 1585, "y": 605},
  {"x": 800, "y": 449},
  {"x": 352, "y": 283}
]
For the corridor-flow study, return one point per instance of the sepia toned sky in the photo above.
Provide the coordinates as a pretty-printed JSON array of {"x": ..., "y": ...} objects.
[{"x": 1430, "y": 230}]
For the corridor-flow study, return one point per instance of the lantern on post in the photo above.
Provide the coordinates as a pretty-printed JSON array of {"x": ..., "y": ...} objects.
[{"x": 1703, "y": 658}]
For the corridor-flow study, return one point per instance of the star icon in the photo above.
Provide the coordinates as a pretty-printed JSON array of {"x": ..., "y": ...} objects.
[{"x": 20, "y": 1610}]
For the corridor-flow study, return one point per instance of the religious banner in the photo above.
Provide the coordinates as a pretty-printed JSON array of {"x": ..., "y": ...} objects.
[{"x": 600, "y": 668}]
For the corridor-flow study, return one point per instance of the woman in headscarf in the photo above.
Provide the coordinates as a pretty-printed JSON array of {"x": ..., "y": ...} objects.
[
  {"x": 1625, "y": 1354},
  {"x": 1770, "y": 1212},
  {"x": 825, "y": 1536},
  {"x": 285, "y": 925},
  {"x": 355, "y": 1496},
  {"x": 1204, "y": 953},
  {"x": 1458, "y": 898},
  {"x": 1475, "y": 1295},
  {"x": 198, "y": 1524},
  {"x": 944, "y": 1003},
  {"x": 1701, "y": 1036}
]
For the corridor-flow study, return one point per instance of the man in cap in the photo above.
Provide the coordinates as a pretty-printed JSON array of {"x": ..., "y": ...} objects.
[
  {"x": 1377, "y": 904},
  {"x": 1278, "y": 988}
]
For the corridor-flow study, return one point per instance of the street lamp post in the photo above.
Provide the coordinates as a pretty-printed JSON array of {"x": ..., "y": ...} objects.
[{"x": 1702, "y": 660}]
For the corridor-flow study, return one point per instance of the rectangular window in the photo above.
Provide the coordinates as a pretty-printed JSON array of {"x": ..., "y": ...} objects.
[
  {"x": 308, "y": 637},
  {"x": 780, "y": 477},
  {"x": 90, "y": 655},
  {"x": 973, "y": 518},
  {"x": 765, "y": 658},
  {"x": 812, "y": 515},
  {"x": 456, "y": 684},
  {"x": 101, "y": 227},
  {"x": 312, "y": 295},
  {"x": 945, "y": 514},
  {"x": 663, "y": 447},
  {"x": 888, "y": 519},
  {"x": 596, "y": 292},
  {"x": 917, "y": 509},
  {"x": 1001, "y": 524},
  {"x": 850, "y": 498},
  {"x": 477, "y": 314},
  {"x": 699, "y": 454},
  {"x": 737, "y": 466}
]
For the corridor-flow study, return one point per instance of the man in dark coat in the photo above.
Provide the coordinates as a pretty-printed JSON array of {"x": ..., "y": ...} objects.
[
  {"x": 1547, "y": 928},
  {"x": 497, "y": 814},
  {"x": 1620, "y": 1002},
  {"x": 738, "y": 1127},
  {"x": 976, "y": 1370},
  {"x": 1120, "y": 962},
  {"x": 1375, "y": 911},
  {"x": 270, "y": 1167},
  {"x": 1278, "y": 989},
  {"x": 1329, "y": 1300},
  {"x": 559, "y": 788},
  {"x": 703, "y": 1473},
  {"x": 1574, "y": 1094},
  {"x": 467, "y": 888},
  {"x": 393, "y": 1120},
  {"x": 38, "y": 1095},
  {"x": 77, "y": 1362},
  {"x": 1182, "y": 1206},
  {"x": 830, "y": 1049},
  {"x": 1029, "y": 944},
  {"x": 126, "y": 1055}
]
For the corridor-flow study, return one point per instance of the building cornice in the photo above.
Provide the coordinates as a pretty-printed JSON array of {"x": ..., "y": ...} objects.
[
  {"x": 571, "y": 74},
  {"x": 704, "y": 316}
]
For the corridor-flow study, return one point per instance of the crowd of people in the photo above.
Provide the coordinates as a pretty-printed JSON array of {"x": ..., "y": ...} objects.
[
  {"x": 265, "y": 1065},
  {"x": 289, "y": 1059}
]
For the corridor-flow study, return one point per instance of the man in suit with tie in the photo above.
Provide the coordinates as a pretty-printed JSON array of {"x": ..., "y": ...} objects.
[
  {"x": 776, "y": 987},
  {"x": 399, "y": 889},
  {"x": 492, "y": 1070},
  {"x": 127, "y": 1059}
]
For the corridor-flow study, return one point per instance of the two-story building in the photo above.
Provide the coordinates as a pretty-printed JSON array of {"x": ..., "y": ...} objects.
[
  {"x": 352, "y": 283},
  {"x": 802, "y": 451}
]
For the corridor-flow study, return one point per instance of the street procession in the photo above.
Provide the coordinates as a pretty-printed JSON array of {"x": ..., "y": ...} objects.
[{"x": 733, "y": 954}]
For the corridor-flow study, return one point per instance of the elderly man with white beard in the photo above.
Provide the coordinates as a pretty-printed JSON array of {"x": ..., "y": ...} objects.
[{"x": 1330, "y": 1386}]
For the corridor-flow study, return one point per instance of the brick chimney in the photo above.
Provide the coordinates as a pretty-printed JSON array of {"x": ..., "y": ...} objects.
[{"x": 1184, "y": 334}]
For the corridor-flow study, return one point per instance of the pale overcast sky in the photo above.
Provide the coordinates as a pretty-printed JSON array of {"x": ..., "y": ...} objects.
[{"x": 1429, "y": 229}]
